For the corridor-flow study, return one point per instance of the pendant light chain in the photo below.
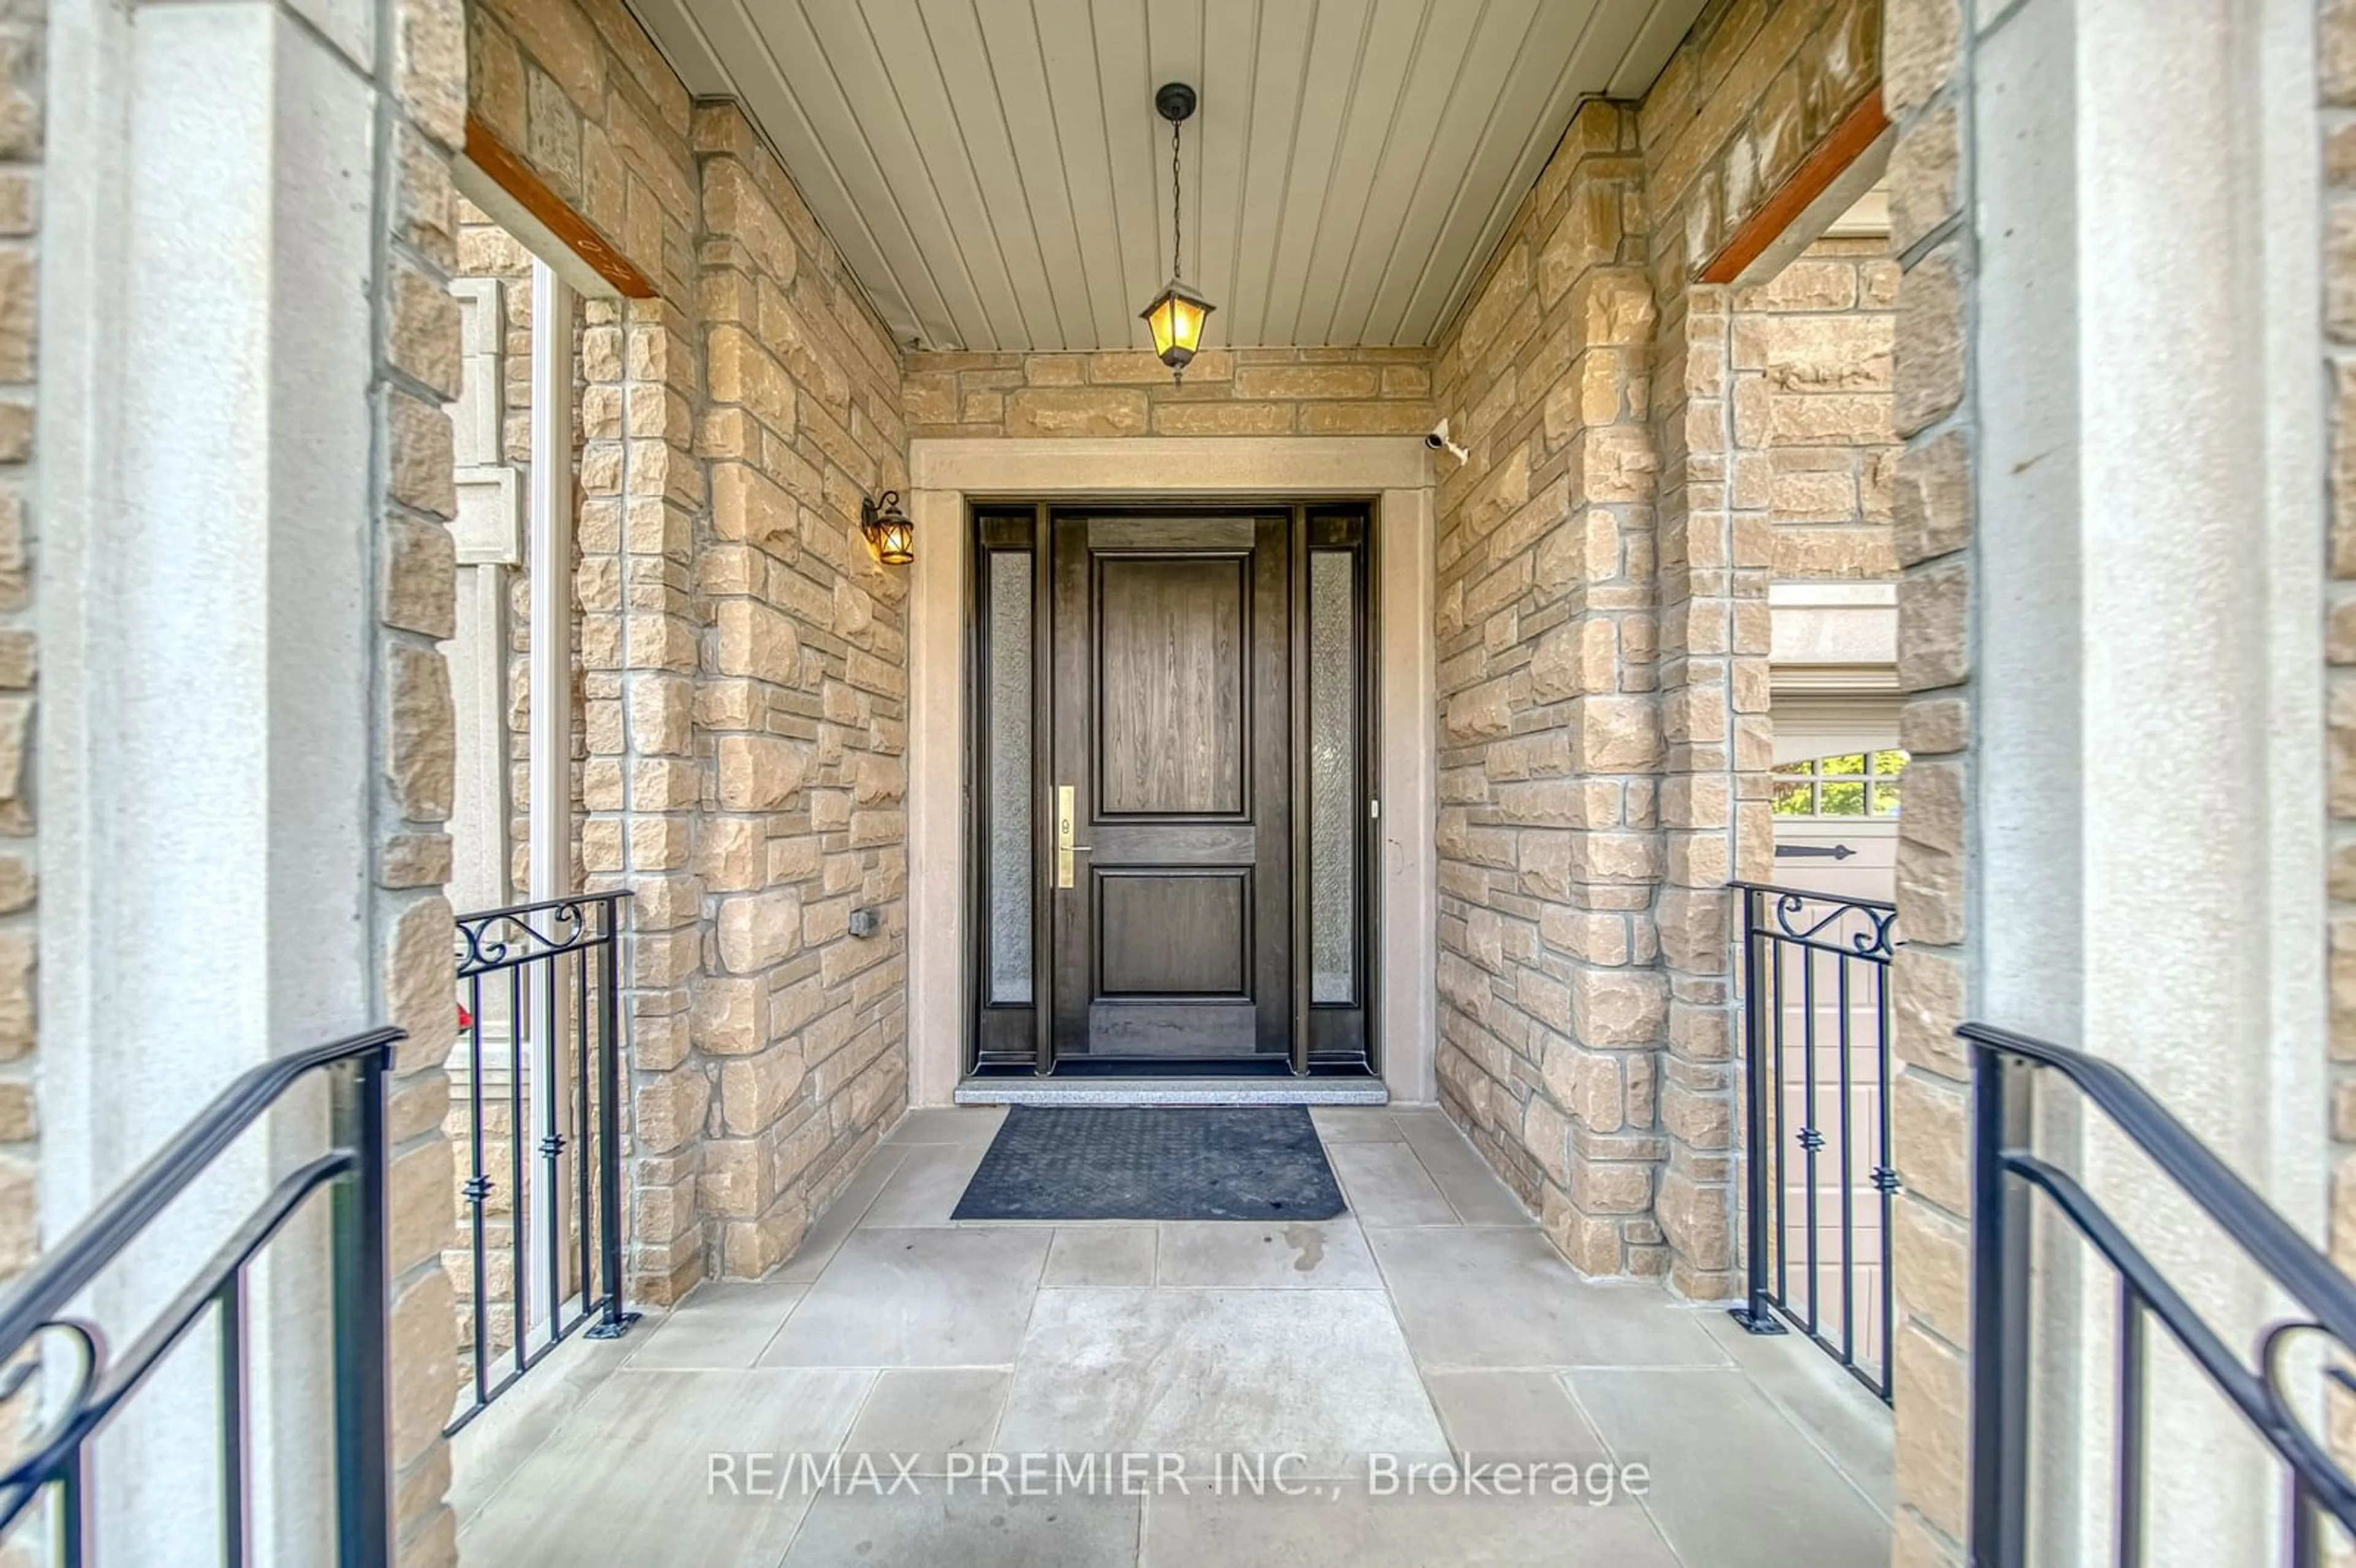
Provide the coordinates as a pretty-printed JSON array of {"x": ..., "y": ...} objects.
[
  {"x": 1177, "y": 312},
  {"x": 1175, "y": 269}
]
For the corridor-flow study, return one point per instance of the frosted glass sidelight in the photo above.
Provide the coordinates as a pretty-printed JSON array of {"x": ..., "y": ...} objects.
[
  {"x": 1009, "y": 729},
  {"x": 1333, "y": 775}
]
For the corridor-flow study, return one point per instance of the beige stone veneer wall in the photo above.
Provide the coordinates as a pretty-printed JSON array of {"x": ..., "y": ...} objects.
[
  {"x": 1926, "y": 94},
  {"x": 1808, "y": 372},
  {"x": 803, "y": 705},
  {"x": 744, "y": 659},
  {"x": 581, "y": 95},
  {"x": 1751, "y": 90},
  {"x": 1602, "y": 620},
  {"x": 1226, "y": 391},
  {"x": 417, "y": 374},
  {"x": 1551, "y": 999},
  {"x": 1605, "y": 637}
]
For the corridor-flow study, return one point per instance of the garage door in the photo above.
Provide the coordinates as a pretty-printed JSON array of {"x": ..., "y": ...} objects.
[
  {"x": 1836, "y": 816},
  {"x": 1836, "y": 821}
]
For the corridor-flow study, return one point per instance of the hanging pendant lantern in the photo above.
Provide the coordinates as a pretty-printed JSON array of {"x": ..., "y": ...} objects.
[
  {"x": 1177, "y": 313},
  {"x": 1176, "y": 317}
]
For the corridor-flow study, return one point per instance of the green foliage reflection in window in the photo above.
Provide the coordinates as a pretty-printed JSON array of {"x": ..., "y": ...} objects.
[{"x": 1846, "y": 784}]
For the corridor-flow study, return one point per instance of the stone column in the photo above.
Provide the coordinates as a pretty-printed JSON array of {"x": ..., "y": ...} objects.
[
  {"x": 417, "y": 374},
  {"x": 802, "y": 705},
  {"x": 2109, "y": 509},
  {"x": 1926, "y": 92},
  {"x": 1551, "y": 1004},
  {"x": 640, "y": 491},
  {"x": 248, "y": 568},
  {"x": 2336, "y": 96},
  {"x": 21, "y": 103},
  {"x": 1715, "y": 562}
]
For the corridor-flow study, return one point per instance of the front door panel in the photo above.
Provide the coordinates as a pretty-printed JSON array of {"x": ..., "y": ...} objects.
[{"x": 1170, "y": 766}]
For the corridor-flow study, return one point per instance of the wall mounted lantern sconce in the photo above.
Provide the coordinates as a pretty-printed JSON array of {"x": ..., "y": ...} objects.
[
  {"x": 1177, "y": 312},
  {"x": 889, "y": 532}
]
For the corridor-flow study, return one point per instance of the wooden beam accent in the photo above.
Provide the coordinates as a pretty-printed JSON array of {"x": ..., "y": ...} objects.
[
  {"x": 513, "y": 175},
  {"x": 1857, "y": 131}
]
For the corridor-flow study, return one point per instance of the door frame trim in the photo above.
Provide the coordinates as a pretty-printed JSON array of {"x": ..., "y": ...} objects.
[{"x": 945, "y": 476}]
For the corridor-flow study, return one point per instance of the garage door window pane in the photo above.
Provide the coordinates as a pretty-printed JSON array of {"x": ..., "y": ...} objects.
[
  {"x": 1848, "y": 783},
  {"x": 1840, "y": 798}
]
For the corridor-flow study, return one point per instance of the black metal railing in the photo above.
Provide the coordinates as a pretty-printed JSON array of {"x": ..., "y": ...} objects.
[
  {"x": 1815, "y": 992},
  {"x": 538, "y": 999},
  {"x": 2006, "y": 1174},
  {"x": 56, "y": 1357}
]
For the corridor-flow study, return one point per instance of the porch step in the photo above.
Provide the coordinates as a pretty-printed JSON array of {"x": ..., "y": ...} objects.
[{"x": 1173, "y": 1092}]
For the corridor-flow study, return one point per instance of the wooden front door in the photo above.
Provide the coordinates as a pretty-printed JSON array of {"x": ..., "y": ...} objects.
[{"x": 1170, "y": 771}]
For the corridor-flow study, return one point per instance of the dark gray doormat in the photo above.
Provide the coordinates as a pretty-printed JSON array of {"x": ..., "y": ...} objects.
[{"x": 1154, "y": 1162}]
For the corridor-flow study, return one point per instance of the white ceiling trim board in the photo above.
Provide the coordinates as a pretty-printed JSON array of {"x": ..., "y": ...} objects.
[{"x": 998, "y": 179}]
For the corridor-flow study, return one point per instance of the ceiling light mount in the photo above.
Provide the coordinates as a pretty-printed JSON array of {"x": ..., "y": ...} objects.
[{"x": 1175, "y": 102}]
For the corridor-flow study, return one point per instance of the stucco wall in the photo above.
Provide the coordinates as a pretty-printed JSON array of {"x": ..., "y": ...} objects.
[
  {"x": 2336, "y": 96},
  {"x": 21, "y": 88}
]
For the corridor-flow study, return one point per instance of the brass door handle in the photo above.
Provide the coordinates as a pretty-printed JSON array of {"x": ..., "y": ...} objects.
[{"x": 1065, "y": 848}]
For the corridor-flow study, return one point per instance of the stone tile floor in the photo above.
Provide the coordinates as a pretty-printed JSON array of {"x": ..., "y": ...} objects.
[{"x": 1432, "y": 1321}]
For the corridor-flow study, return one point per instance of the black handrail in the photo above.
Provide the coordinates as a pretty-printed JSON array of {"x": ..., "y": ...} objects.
[
  {"x": 59, "y": 1458},
  {"x": 1840, "y": 946},
  {"x": 2004, "y": 1173}
]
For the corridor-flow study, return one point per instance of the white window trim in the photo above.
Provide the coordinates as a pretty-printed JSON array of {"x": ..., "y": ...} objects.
[{"x": 550, "y": 554}]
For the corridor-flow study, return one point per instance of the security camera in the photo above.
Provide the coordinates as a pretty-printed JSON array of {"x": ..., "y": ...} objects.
[{"x": 1437, "y": 439}]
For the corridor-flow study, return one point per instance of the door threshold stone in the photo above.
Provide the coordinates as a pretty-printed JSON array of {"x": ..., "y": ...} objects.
[{"x": 1173, "y": 1092}]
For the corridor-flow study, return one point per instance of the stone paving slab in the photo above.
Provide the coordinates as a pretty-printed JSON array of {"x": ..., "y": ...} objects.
[{"x": 1433, "y": 1326}]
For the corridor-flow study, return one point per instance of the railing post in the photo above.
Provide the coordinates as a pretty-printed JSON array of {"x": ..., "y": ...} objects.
[
  {"x": 615, "y": 1322},
  {"x": 362, "y": 1303},
  {"x": 1754, "y": 1314},
  {"x": 1999, "y": 1333}
]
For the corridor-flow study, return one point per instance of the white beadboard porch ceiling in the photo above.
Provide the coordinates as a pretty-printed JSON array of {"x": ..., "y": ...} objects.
[{"x": 998, "y": 179}]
